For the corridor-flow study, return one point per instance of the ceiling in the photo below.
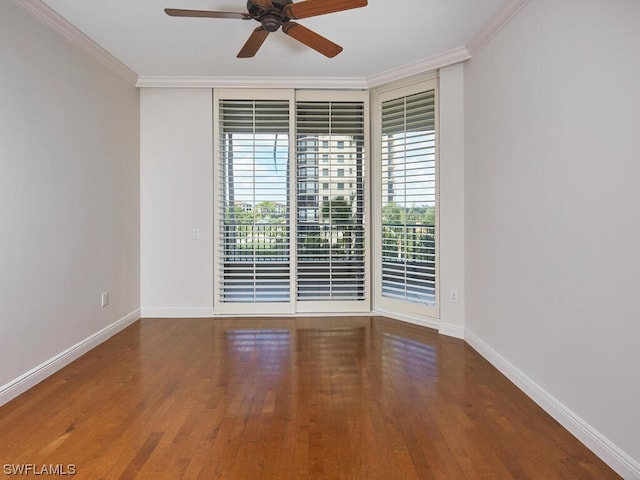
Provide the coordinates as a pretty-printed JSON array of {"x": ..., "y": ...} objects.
[{"x": 383, "y": 36}]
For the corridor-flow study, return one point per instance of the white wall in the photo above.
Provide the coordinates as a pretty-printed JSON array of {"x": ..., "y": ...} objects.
[
  {"x": 69, "y": 196},
  {"x": 552, "y": 111},
  {"x": 451, "y": 200},
  {"x": 176, "y": 165},
  {"x": 176, "y": 197}
]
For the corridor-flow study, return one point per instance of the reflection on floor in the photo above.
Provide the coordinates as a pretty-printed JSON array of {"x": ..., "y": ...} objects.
[{"x": 308, "y": 398}]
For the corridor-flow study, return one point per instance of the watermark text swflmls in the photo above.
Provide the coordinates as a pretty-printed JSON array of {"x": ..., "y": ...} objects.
[{"x": 38, "y": 469}]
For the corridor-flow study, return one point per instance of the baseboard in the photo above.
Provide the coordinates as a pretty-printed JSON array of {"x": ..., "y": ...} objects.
[
  {"x": 34, "y": 376},
  {"x": 207, "y": 312},
  {"x": 442, "y": 328},
  {"x": 611, "y": 454},
  {"x": 176, "y": 312},
  {"x": 454, "y": 331},
  {"x": 422, "y": 321}
]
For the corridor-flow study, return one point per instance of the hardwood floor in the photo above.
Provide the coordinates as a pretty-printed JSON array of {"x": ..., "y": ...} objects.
[{"x": 314, "y": 398}]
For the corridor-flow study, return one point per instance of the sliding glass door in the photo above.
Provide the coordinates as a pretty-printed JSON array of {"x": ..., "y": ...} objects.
[
  {"x": 277, "y": 251},
  {"x": 330, "y": 234},
  {"x": 406, "y": 256}
]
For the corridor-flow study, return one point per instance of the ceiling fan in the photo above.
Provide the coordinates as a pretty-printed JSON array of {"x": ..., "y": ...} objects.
[{"x": 273, "y": 14}]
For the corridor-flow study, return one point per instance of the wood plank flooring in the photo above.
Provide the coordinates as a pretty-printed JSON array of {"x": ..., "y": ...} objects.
[{"x": 307, "y": 398}]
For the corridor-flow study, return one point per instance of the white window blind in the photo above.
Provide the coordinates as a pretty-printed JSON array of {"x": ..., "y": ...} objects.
[
  {"x": 409, "y": 198},
  {"x": 253, "y": 205},
  {"x": 330, "y": 230}
]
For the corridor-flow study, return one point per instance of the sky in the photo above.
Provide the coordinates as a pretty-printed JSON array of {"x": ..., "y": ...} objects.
[{"x": 260, "y": 168}]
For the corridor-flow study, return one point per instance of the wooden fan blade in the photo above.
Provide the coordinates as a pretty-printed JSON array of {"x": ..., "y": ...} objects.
[
  {"x": 175, "y": 12},
  {"x": 312, "y": 8},
  {"x": 253, "y": 43},
  {"x": 311, "y": 39}
]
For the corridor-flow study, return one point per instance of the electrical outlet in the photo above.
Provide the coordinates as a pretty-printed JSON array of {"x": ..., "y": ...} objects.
[
  {"x": 453, "y": 296},
  {"x": 196, "y": 234},
  {"x": 105, "y": 299}
]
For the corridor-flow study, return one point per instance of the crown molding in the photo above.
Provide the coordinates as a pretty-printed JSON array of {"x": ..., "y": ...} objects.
[
  {"x": 445, "y": 59},
  {"x": 497, "y": 23},
  {"x": 441, "y": 60},
  {"x": 351, "y": 83},
  {"x": 49, "y": 17}
]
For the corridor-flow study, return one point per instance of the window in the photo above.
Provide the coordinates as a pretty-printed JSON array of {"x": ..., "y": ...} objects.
[
  {"x": 286, "y": 241},
  {"x": 292, "y": 236},
  {"x": 406, "y": 226},
  {"x": 253, "y": 201},
  {"x": 331, "y": 249}
]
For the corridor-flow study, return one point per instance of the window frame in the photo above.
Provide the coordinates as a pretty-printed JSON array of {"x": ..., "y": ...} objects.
[
  {"x": 246, "y": 308},
  {"x": 293, "y": 306},
  {"x": 412, "y": 311},
  {"x": 348, "y": 306}
]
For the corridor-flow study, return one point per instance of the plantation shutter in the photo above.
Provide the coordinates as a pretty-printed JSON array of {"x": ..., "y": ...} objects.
[
  {"x": 330, "y": 201},
  {"x": 409, "y": 198},
  {"x": 253, "y": 201}
]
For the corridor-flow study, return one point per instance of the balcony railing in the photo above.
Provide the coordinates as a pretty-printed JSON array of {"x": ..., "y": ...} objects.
[{"x": 333, "y": 256}]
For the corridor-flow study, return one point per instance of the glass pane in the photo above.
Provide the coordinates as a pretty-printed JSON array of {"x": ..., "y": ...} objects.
[
  {"x": 409, "y": 199},
  {"x": 330, "y": 201},
  {"x": 255, "y": 206}
]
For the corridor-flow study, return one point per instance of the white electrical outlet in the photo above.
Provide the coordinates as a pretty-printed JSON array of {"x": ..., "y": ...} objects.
[
  {"x": 453, "y": 296},
  {"x": 105, "y": 299},
  {"x": 196, "y": 234}
]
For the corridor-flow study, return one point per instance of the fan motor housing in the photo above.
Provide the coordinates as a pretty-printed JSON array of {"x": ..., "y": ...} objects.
[{"x": 270, "y": 19}]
